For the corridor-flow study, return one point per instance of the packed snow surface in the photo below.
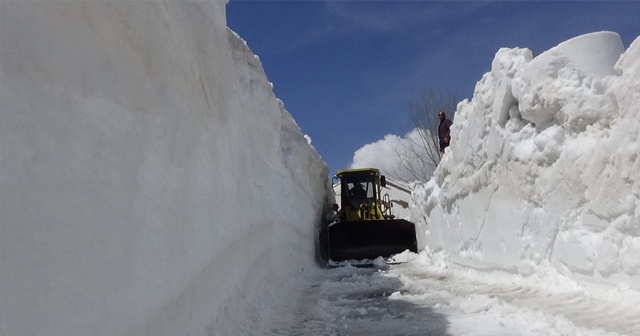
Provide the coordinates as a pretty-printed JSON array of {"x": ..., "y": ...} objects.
[
  {"x": 150, "y": 182},
  {"x": 426, "y": 296},
  {"x": 544, "y": 168}
]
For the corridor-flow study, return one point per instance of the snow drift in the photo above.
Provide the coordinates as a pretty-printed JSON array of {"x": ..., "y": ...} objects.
[
  {"x": 150, "y": 182},
  {"x": 543, "y": 167}
]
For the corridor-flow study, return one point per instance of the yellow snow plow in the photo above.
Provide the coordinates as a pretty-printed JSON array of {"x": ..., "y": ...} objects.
[{"x": 363, "y": 227}]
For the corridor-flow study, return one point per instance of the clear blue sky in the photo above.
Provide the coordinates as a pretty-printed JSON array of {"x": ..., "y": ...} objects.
[{"x": 347, "y": 70}]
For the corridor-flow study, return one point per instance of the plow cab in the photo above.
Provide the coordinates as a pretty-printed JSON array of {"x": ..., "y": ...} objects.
[{"x": 364, "y": 227}]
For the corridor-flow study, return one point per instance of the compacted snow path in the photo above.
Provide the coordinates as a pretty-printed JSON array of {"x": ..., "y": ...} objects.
[
  {"x": 360, "y": 301},
  {"x": 416, "y": 299}
]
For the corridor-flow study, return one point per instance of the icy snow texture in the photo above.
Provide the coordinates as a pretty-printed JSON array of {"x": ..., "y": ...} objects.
[
  {"x": 147, "y": 173},
  {"x": 543, "y": 165}
]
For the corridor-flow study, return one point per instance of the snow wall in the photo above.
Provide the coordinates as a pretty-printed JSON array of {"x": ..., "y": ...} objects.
[
  {"x": 543, "y": 169},
  {"x": 150, "y": 182}
]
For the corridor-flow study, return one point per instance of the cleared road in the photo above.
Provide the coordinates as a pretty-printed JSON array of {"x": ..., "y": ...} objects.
[{"x": 417, "y": 299}]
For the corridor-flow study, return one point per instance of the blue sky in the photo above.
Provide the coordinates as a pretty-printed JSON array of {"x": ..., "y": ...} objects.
[{"x": 347, "y": 70}]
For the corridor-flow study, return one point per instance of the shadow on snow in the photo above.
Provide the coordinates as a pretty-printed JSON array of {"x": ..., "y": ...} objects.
[{"x": 361, "y": 301}]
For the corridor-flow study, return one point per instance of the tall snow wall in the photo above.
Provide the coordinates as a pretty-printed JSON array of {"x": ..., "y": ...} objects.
[
  {"x": 150, "y": 182},
  {"x": 543, "y": 168}
]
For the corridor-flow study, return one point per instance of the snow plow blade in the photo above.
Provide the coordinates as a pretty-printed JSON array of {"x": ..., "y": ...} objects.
[{"x": 370, "y": 239}]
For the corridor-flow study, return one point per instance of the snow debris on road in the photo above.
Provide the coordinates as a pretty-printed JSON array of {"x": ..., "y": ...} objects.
[{"x": 428, "y": 295}]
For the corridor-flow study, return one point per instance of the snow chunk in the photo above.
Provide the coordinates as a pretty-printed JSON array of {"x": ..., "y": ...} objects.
[
  {"x": 544, "y": 165},
  {"x": 564, "y": 83}
]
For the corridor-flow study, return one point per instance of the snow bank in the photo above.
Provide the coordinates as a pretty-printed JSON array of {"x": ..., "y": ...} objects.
[
  {"x": 543, "y": 166},
  {"x": 150, "y": 182}
]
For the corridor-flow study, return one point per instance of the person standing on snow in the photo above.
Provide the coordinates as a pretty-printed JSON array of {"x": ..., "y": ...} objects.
[{"x": 444, "y": 131}]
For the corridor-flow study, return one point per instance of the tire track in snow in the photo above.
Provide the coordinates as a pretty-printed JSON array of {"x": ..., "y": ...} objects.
[{"x": 358, "y": 302}]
